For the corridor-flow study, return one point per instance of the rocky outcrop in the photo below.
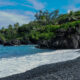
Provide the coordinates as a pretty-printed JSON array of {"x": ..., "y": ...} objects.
[
  {"x": 2, "y": 41},
  {"x": 65, "y": 39},
  {"x": 25, "y": 41},
  {"x": 12, "y": 43},
  {"x": 17, "y": 42}
]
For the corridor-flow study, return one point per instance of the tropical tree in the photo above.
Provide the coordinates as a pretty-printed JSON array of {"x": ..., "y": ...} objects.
[
  {"x": 71, "y": 16},
  {"x": 16, "y": 26},
  {"x": 2, "y": 30},
  {"x": 77, "y": 14},
  {"x": 45, "y": 17},
  {"x": 53, "y": 16}
]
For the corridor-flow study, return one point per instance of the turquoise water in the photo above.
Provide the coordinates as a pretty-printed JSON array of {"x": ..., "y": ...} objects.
[
  {"x": 18, "y": 59},
  {"x": 17, "y": 51}
]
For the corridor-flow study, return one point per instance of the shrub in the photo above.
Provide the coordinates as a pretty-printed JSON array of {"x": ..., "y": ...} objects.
[
  {"x": 2, "y": 37},
  {"x": 46, "y": 36}
]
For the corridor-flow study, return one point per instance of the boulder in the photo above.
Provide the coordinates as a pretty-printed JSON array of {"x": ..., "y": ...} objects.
[
  {"x": 43, "y": 44},
  {"x": 25, "y": 41},
  {"x": 12, "y": 42},
  {"x": 1, "y": 41}
]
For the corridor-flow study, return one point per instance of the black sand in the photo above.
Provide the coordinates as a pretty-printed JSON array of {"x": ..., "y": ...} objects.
[{"x": 69, "y": 70}]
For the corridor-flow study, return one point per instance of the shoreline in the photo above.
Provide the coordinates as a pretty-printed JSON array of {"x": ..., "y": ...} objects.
[
  {"x": 19, "y": 65},
  {"x": 67, "y": 70}
]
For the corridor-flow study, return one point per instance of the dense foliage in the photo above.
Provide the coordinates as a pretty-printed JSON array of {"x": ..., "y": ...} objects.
[{"x": 42, "y": 28}]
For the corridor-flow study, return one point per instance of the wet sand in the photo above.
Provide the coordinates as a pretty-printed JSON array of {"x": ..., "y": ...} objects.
[{"x": 68, "y": 70}]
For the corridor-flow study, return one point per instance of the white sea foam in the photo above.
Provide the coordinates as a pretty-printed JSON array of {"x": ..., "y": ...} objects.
[{"x": 10, "y": 66}]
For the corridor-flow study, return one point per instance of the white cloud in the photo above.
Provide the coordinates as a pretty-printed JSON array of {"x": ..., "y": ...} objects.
[
  {"x": 7, "y": 18},
  {"x": 36, "y": 4},
  {"x": 72, "y": 5},
  {"x": 7, "y": 3},
  {"x": 28, "y": 5},
  {"x": 30, "y": 13},
  {"x": 73, "y": 8},
  {"x": 76, "y": 1}
]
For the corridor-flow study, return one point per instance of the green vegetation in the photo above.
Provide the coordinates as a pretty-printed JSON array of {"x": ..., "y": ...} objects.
[{"x": 42, "y": 28}]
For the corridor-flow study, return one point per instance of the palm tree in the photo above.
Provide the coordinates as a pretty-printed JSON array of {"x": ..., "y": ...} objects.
[
  {"x": 53, "y": 16},
  {"x": 77, "y": 14},
  {"x": 71, "y": 16},
  {"x": 16, "y": 26}
]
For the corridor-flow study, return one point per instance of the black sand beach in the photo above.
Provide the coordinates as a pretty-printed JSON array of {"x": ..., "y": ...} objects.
[{"x": 69, "y": 70}]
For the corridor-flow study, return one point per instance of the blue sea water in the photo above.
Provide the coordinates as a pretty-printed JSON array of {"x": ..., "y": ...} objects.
[
  {"x": 17, "y": 51},
  {"x": 18, "y": 59}
]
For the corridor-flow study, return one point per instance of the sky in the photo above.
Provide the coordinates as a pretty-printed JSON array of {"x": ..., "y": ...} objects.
[{"x": 22, "y": 11}]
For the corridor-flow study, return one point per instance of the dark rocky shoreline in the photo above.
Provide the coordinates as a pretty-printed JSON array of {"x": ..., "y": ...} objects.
[
  {"x": 64, "y": 39},
  {"x": 69, "y": 70}
]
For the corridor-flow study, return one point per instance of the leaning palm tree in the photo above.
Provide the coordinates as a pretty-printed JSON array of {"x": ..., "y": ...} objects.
[
  {"x": 53, "y": 16},
  {"x": 77, "y": 14},
  {"x": 71, "y": 16}
]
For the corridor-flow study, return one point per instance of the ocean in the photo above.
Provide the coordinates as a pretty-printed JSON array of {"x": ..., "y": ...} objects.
[{"x": 18, "y": 59}]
